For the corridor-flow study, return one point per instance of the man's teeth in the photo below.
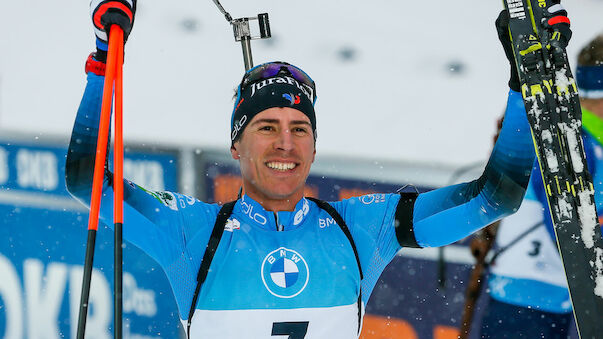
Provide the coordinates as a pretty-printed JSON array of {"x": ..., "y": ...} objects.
[{"x": 281, "y": 166}]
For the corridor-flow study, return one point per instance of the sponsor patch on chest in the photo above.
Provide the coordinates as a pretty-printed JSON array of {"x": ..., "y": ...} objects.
[
  {"x": 232, "y": 224},
  {"x": 285, "y": 273}
]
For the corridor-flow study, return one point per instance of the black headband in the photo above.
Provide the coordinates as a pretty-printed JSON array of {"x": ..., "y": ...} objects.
[{"x": 278, "y": 91}]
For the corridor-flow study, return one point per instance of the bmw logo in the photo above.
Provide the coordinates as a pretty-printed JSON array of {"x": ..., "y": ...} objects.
[{"x": 285, "y": 273}]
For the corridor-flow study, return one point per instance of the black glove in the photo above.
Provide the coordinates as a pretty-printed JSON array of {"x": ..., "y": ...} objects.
[
  {"x": 105, "y": 13},
  {"x": 556, "y": 20},
  {"x": 502, "y": 27}
]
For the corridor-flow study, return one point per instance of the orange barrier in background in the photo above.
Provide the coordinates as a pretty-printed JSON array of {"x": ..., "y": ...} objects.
[{"x": 378, "y": 327}]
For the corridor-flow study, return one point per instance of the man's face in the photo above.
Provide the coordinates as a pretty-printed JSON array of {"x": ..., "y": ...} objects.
[{"x": 275, "y": 153}]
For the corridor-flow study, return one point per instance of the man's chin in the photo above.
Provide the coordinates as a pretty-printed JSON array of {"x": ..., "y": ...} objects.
[
  {"x": 276, "y": 193},
  {"x": 281, "y": 195}
]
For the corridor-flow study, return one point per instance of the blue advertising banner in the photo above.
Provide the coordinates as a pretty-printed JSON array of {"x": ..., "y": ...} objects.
[
  {"x": 43, "y": 232},
  {"x": 41, "y": 169},
  {"x": 41, "y": 266}
]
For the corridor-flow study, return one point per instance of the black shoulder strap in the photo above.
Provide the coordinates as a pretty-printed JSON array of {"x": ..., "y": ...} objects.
[
  {"x": 344, "y": 227},
  {"x": 210, "y": 250}
]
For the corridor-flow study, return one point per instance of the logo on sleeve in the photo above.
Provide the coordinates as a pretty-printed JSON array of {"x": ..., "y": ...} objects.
[
  {"x": 166, "y": 198},
  {"x": 285, "y": 273},
  {"x": 372, "y": 198}
]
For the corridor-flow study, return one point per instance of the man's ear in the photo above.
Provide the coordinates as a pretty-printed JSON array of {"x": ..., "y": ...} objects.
[{"x": 234, "y": 152}]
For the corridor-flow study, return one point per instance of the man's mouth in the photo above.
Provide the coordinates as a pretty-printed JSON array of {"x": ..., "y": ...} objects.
[{"x": 281, "y": 166}]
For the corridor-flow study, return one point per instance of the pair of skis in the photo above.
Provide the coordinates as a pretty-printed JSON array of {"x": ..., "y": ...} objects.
[
  {"x": 113, "y": 81},
  {"x": 551, "y": 99}
]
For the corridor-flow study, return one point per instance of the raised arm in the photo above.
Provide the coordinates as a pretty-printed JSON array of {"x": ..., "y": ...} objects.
[
  {"x": 82, "y": 147},
  {"x": 451, "y": 213},
  {"x": 156, "y": 222}
]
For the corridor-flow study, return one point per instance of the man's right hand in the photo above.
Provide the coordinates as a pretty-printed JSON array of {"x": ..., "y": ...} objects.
[{"x": 111, "y": 12}]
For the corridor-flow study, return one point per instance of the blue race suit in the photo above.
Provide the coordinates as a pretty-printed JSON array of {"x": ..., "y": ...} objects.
[{"x": 295, "y": 268}]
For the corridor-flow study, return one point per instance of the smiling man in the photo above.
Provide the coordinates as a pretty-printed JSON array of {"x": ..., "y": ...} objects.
[
  {"x": 275, "y": 156},
  {"x": 274, "y": 133},
  {"x": 274, "y": 262}
]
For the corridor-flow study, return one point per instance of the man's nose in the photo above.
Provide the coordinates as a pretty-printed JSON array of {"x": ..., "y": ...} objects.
[{"x": 285, "y": 140}]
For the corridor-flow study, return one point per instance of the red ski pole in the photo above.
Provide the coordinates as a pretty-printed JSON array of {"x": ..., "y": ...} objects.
[
  {"x": 97, "y": 181},
  {"x": 118, "y": 185}
]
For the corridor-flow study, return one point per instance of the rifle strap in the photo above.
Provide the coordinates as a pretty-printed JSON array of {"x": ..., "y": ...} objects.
[{"x": 210, "y": 251}]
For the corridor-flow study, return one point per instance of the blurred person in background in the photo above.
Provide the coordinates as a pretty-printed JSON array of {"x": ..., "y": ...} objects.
[
  {"x": 528, "y": 293},
  {"x": 286, "y": 264}
]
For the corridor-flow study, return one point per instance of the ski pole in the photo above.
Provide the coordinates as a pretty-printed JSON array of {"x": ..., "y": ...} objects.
[
  {"x": 97, "y": 181},
  {"x": 118, "y": 185}
]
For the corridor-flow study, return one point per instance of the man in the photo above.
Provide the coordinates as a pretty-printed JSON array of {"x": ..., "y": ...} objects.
[
  {"x": 527, "y": 277},
  {"x": 275, "y": 262}
]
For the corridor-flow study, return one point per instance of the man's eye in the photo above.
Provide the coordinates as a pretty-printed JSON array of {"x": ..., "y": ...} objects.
[
  {"x": 300, "y": 130},
  {"x": 266, "y": 128}
]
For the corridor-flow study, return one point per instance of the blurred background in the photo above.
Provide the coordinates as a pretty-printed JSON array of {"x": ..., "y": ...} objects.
[{"x": 408, "y": 93}]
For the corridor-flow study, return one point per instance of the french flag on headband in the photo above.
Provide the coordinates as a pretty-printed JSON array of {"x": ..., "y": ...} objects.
[{"x": 590, "y": 81}]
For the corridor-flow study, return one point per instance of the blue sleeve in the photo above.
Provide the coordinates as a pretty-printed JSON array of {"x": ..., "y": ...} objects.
[
  {"x": 370, "y": 219},
  {"x": 448, "y": 214},
  {"x": 156, "y": 222}
]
